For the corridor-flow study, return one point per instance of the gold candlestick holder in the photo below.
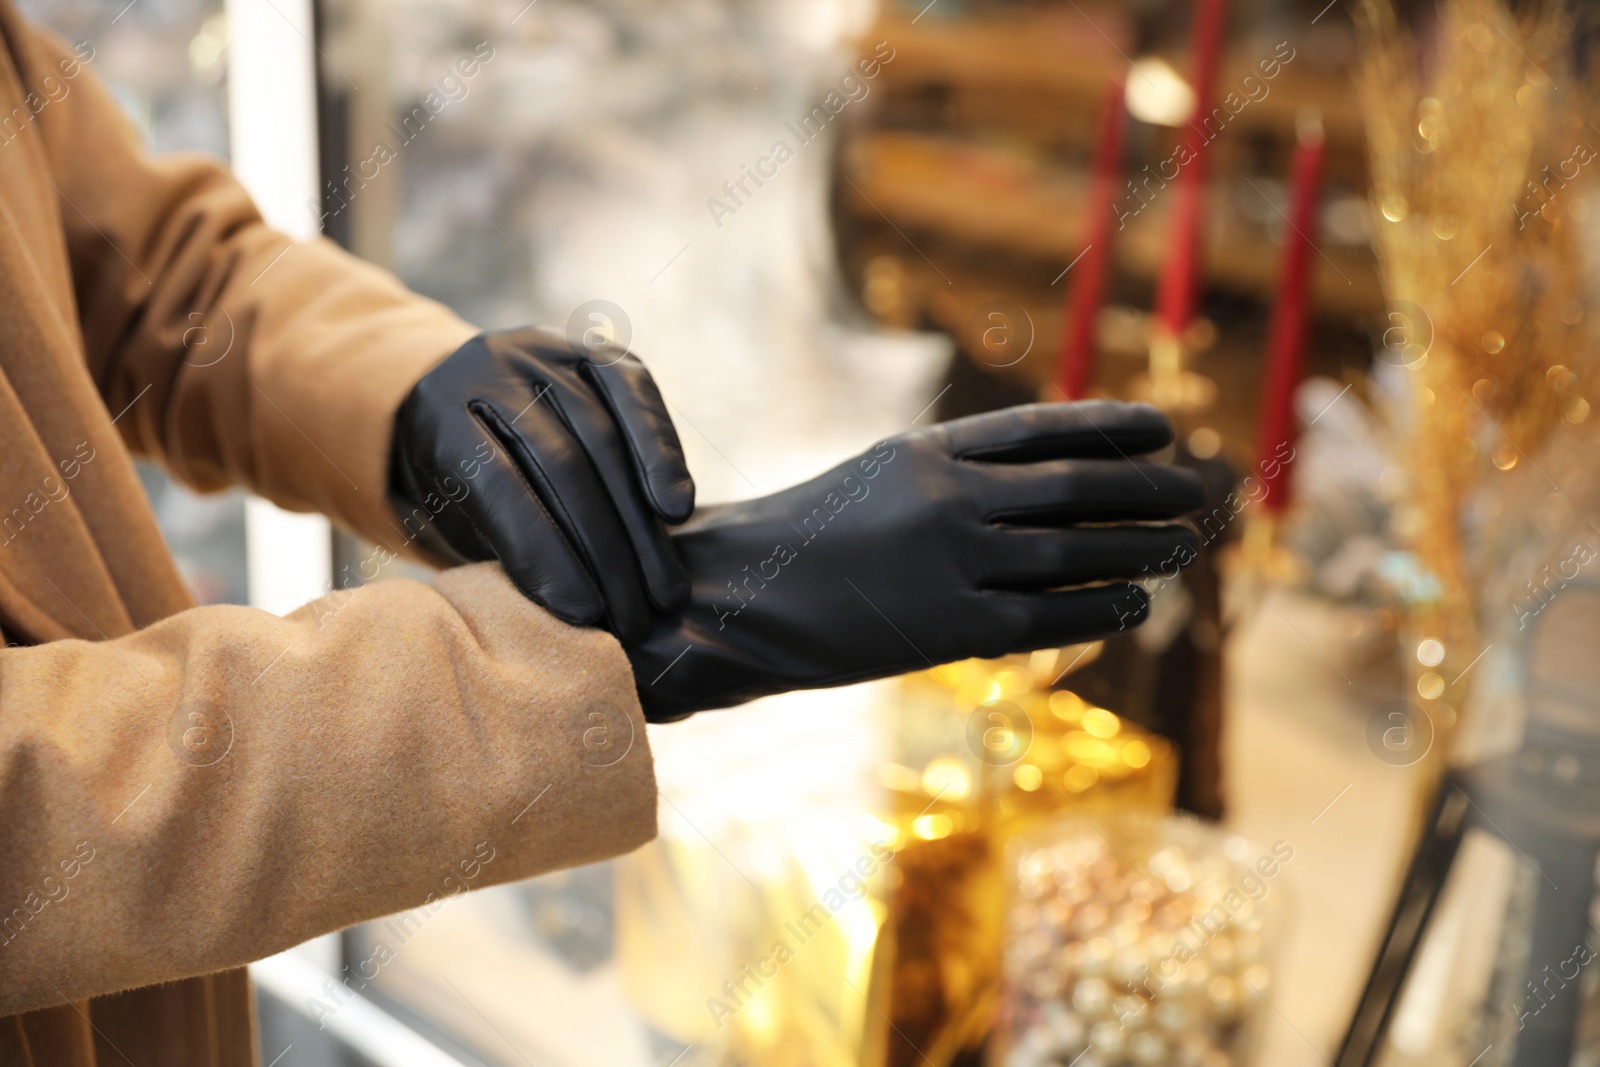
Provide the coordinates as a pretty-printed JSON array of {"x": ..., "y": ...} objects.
[
  {"x": 1170, "y": 385},
  {"x": 1263, "y": 557}
]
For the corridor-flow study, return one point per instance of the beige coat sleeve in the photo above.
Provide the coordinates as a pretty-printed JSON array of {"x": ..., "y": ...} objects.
[
  {"x": 225, "y": 784},
  {"x": 255, "y": 360}
]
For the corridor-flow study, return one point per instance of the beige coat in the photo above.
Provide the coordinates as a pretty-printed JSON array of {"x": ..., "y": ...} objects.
[{"x": 184, "y": 790}]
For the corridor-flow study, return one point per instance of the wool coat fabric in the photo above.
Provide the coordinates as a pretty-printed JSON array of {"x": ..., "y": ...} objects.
[{"x": 186, "y": 789}]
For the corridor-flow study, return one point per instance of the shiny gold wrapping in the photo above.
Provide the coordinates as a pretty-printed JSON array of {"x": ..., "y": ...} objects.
[{"x": 876, "y": 940}]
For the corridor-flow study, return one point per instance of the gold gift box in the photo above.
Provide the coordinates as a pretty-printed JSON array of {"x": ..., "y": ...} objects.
[{"x": 876, "y": 941}]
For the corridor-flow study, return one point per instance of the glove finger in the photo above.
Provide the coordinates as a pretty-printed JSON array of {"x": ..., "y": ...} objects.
[
  {"x": 1033, "y": 558},
  {"x": 641, "y": 411},
  {"x": 592, "y": 423},
  {"x": 1050, "y": 620},
  {"x": 1032, "y": 432},
  {"x": 555, "y": 469},
  {"x": 1093, "y": 490},
  {"x": 532, "y": 549}
]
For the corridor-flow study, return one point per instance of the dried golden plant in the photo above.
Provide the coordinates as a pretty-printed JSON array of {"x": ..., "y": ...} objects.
[{"x": 1482, "y": 161}]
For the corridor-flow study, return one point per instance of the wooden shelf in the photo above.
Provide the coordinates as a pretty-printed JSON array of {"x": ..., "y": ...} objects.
[
  {"x": 1000, "y": 200},
  {"x": 1071, "y": 55},
  {"x": 1023, "y": 51}
]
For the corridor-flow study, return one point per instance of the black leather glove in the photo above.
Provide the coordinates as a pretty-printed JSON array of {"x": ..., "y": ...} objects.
[
  {"x": 940, "y": 544},
  {"x": 558, "y": 460}
]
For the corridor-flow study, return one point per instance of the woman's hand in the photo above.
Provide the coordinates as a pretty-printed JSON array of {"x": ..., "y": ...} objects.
[
  {"x": 558, "y": 460},
  {"x": 1005, "y": 532}
]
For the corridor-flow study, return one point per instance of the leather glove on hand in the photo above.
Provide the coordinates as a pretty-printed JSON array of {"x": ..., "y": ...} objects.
[
  {"x": 557, "y": 460},
  {"x": 940, "y": 544}
]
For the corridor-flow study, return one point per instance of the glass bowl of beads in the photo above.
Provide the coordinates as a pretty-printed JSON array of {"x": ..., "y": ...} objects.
[{"x": 1137, "y": 941}]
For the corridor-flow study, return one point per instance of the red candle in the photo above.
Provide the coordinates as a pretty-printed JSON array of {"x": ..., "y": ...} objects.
[
  {"x": 1075, "y": 370},
  {"x": 1290, "y": 313},
  {"x": 1180, "y": 272}
]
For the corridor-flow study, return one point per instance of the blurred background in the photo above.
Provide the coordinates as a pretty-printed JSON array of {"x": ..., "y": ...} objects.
[{"x": 821, "y": 222}]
